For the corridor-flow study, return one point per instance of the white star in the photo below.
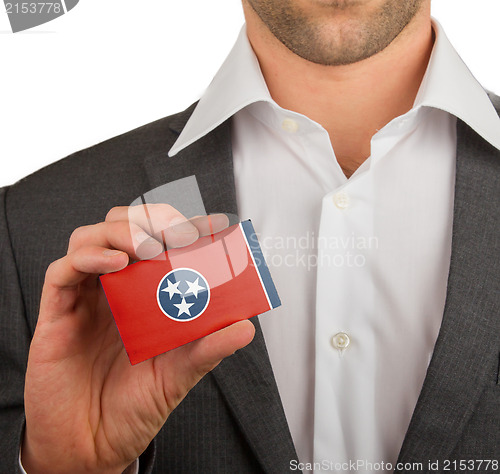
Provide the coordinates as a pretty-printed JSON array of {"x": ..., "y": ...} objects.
[
  {"x": 194, "y": 287},
  {"x": 183, "y": 307},
  {"x": 172, "y": 289}
]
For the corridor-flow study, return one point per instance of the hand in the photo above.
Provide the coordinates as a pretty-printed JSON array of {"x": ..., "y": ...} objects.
[{"x": 87, "y": 409}]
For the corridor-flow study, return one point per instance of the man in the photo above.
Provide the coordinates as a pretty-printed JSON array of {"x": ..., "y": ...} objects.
[{"x": 346, "y": 120}]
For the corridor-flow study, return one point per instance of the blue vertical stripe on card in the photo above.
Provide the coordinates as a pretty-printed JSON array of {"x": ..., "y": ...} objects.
[{"x": 260, "y": 263}]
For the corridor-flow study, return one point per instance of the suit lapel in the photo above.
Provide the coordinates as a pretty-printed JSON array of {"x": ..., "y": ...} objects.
[
  {"x": 246, "y": 379},
  {"x": 466, "y": 349},
  {"x": 248, "y": 385}
]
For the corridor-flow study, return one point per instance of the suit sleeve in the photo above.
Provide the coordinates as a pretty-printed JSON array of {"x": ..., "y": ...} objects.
[{"x": 15, "y": 338}]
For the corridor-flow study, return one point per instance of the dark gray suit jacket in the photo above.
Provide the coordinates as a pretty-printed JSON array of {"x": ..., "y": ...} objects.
[{"x": 233, "y": 420}]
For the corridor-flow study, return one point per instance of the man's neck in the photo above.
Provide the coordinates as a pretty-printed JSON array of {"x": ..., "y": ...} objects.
[{"x": 351, "y": 102}]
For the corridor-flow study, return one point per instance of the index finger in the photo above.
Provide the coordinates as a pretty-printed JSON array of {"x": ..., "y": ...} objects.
[
  {"x": 161, "y": 221},
  {"x": 166, "y": 223}
]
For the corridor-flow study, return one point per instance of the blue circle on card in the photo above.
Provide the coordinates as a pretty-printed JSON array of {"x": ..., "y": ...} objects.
[{"x": 183, "y": 294}]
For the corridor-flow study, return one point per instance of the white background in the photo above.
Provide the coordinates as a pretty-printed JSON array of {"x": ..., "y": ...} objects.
[{"x": 109, "y": 66}]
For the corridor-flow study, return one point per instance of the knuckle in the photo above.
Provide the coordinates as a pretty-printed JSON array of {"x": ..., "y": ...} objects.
[
  {"x": 81, "y": 236},
  {"x": 77, "y": 235},
  {"x": 161, "y": 209},
  {"x": 138, "y": 212},
  {"x": 112, "y": 213},
  {"x": 131, "y": 228},
  {"x": 52, "y": 270}
]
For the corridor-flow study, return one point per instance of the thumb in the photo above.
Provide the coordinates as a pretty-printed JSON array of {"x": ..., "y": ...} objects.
[
  {"x": 182, "y": 368},
  {"x": 207, "y": 352}
]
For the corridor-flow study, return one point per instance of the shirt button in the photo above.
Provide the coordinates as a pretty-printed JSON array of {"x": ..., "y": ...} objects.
[
  {"x": 340, "y": 341},
  {"x": 289, "y": 125},
  {"x": 341, "y": 200}
]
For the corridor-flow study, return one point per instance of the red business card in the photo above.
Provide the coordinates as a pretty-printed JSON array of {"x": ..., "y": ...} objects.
[{"x": 190, "y": 292}]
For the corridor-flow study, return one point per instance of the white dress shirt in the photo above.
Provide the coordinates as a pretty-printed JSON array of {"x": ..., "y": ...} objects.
[{"x": 361, "y": 264}]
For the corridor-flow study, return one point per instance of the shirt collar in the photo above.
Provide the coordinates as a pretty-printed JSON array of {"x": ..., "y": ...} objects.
[
  {"x": 238, "y": 83},
  {"x": 450, "y": 86},
  {"x": 447, "y": 85}
]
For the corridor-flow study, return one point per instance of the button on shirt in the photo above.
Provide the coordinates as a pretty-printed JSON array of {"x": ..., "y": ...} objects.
[{"x": 361, "y": 264}]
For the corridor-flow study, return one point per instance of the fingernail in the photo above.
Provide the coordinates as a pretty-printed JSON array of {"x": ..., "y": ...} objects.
[
  {"x": 111, "y": 253},
  {"x": 182, "y": 226}
]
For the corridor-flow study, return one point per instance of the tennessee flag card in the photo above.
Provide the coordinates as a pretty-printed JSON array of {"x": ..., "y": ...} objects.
[{"x": 190, "y": 292}]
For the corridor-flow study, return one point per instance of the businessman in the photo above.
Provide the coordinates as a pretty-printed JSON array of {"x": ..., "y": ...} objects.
[{"x": 350, "y": 125}]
